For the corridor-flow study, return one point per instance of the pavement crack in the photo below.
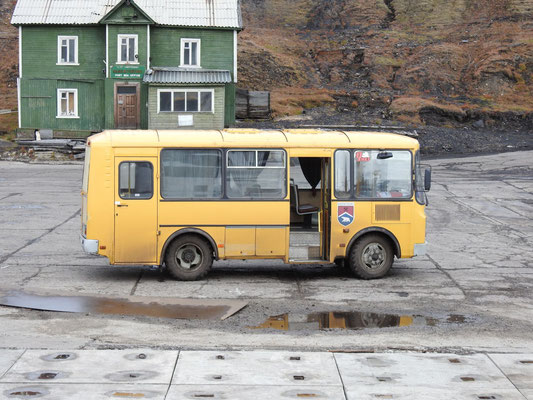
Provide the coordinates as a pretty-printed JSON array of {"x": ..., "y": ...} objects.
[
  {"x": 340, "y": 376},
  {"x": 29, "y": 278},
  {"x": 12, "y": 365},
  {"x": 11, "y": 195},
  {"x": 299, "y": 294},
  {"x": 3, "y": 259},
  {"x": 173, "y": 374},
  {"x": 134, "y": 288},
  {"x": 514, "y": 186},
  {"x": 439, "y": 267},
  {"x": 504, "y": 374}
]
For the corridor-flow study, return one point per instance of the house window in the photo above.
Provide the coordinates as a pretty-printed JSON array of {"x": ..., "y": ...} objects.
[
  {"x": 190, "y": 53},
  {"x": 67, "y": 50},
  {"x": 67, "y": 103},
  {"x": 127, "y": 49},
  {"x": 192, "y": 100}
]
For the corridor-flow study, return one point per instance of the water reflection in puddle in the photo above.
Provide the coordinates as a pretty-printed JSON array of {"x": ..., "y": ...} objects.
[
  {"x": 351, "y": 320},
  {"x": 132, "y": 305}
]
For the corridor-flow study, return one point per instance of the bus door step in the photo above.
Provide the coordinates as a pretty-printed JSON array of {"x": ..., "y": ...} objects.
[
  {"x": 307, "y": 261},
  {"x": 304, "y": 252}
]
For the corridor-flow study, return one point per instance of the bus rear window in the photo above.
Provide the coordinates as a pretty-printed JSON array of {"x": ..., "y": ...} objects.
[{"x": 85, "y": 181}]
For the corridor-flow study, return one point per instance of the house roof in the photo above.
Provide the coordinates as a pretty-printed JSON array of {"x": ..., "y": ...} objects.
[
  {"x": 193, "y": 13},
  {"x": 182, "y": 75}
]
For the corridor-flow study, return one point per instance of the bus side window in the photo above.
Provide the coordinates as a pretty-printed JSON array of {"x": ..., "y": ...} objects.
[{"x": 136, "y": 180}]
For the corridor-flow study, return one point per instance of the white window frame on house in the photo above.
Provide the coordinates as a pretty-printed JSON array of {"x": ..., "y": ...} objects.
[
  {"x": 172, "y": 91},
  {"x": 185, "y": 41},
  {"x": 59, "y": 50},
  {"x": 60, "y": 92},
  {"x": 119, "y": 48}
]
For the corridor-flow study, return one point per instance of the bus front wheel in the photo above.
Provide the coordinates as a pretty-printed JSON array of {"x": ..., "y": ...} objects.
[
  {"x": 371, "y": 257},
  {"x": 189, "y": 258}
]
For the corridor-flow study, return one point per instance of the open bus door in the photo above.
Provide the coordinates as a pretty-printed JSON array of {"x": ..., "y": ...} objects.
[{"x": 310, "y": 209}]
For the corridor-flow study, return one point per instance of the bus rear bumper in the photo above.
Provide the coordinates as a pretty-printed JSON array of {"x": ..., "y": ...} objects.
[
  {"x": 420, "y": 249},
  {"x": 90, "y": 246}
]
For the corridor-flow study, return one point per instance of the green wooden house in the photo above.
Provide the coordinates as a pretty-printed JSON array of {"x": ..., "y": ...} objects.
[{"x": 89, "y": 65}]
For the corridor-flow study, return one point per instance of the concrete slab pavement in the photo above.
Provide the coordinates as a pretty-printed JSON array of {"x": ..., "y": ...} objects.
[{"x": 244, "y": 375}]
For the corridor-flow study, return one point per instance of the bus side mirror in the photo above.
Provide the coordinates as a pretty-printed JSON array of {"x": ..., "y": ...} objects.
[{"x": 427, "y": 179}]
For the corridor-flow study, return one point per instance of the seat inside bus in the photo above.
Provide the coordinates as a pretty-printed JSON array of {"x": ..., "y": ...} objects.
[{"x": 305, "y": 192}]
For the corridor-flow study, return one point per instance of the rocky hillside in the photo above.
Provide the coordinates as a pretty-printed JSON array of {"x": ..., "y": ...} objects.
[
  {"x": 8, "y": 56},
  {"x": 439, "y": 62},
  {"x": 435, "y": 62}
]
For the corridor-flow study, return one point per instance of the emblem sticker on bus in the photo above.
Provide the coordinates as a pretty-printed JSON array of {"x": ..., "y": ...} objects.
[
  {"x": 345, "y": 213},
  {"x": 361, "y": 156}
]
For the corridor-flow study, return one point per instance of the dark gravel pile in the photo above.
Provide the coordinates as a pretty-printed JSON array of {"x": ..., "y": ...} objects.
[{"x": 434, "y": 140}]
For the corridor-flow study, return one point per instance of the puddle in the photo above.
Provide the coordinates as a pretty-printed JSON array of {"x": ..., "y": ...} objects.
[
  {"x": 134, "y": 305},
  {"x": 25, "y": 392},
  {"x": 352, "y": 320}
]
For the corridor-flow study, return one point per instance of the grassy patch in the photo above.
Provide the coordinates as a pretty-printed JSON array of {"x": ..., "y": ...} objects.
[
  {"x": 293, "y": 101},
  {"x": 8, "y": 126},
  {"x": 388, "y": 61},
  {"x": 413, "y": 105}
]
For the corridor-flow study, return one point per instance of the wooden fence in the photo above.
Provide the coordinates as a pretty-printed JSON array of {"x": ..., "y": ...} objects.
[{"x": 252, "y": 105}]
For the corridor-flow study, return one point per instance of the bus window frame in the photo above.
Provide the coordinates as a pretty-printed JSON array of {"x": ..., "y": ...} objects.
[
  {"x": 176, "y": 199},
  {"x": 224, "y": 197},
  {"x": 152, "y": 177},
  {"x": 353, "y": 197},
  {"x": 257, "y": 150}
]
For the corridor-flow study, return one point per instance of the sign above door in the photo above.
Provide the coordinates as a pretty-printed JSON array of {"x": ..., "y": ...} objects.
[{"x": 127, "y": 71}]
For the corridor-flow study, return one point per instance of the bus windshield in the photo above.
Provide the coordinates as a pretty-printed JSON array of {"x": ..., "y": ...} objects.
[{"x": 376, "y": 174}]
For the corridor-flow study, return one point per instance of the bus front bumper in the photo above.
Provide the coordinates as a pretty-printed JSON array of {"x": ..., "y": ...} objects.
[
  {"x": 420, "y": 249},
  {"x": 89, "y": 246}
]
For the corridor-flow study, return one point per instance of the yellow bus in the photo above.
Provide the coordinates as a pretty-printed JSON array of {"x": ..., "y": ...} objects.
[{"x": 182, "y": 199}]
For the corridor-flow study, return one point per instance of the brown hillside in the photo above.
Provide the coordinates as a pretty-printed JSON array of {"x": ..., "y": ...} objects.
[
  {"x": 443, "y": 62},
  {"x": 433, "y": 61},
  {"x": 8, "y": 57}
]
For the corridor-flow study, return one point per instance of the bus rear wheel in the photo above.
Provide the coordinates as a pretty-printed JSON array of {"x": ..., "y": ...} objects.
[
  {"x": 189, "y": 258},
  {"x": 371, "y": 257}
]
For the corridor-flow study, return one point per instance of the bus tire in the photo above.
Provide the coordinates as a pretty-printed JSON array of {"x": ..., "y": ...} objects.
[
  {"x": 371, "y": 257},
  {"x": 189, "y": 258},
  {"x": 340, "y": 262}
]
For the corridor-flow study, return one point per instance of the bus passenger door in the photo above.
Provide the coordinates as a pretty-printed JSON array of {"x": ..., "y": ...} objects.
[
  {"x": 326, "y": 207},
  {"x": 135, "y": 210}
]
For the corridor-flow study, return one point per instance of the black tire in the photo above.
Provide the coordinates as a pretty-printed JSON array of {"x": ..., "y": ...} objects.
[
  {"x": 371, "y": 257},
  {"x": 189, "y": 258},
  {"x": 340, "y": 262}
]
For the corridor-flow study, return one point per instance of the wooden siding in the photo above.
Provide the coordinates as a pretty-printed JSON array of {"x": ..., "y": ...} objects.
[
  {"x": 139, "y": 30},
  {"x": 216, "y": 48},
  {"x": 229, "y": 112},
  {"x": 39, "y": 52},
  {"x": 169, "y": 120},
  {"x": 39, "y": 105}
]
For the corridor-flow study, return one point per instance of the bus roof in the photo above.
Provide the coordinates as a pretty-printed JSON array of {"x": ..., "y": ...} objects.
[{"x": 290, "y": 138}]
